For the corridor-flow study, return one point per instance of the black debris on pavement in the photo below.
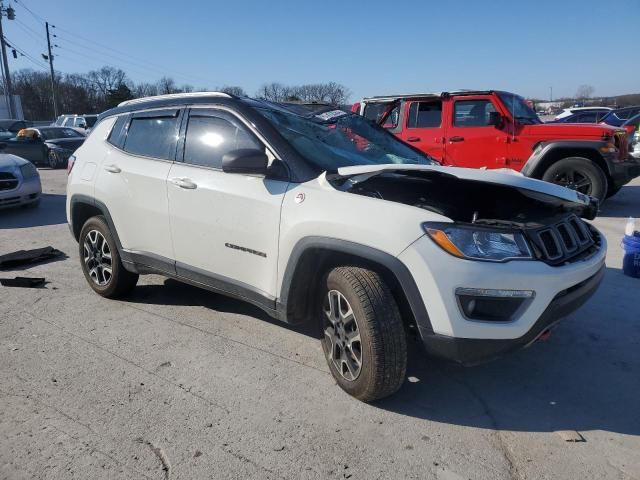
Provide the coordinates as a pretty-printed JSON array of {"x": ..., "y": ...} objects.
[
  {"x": 24, "y": 282},
  {"x": 28, "y": 257}
]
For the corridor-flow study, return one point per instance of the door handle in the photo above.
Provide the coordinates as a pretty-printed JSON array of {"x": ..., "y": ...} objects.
[
  {"x": 456, "y": 139},
  {"x": 413, "y": 139},
  {"x": 112, "y": 168},
  {"x": 184, "y": 183}
]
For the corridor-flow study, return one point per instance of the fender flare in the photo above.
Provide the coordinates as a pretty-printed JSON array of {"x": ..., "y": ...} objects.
[
  {"x": 535, "y": 163},
  {"x": 77, "y": 199},
  {"x": 333, "y": 245}
]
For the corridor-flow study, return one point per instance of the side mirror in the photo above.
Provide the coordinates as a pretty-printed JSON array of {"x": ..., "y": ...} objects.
[
  {"x": 245, "y": 160},
  {"x": 495, "y": 119}
]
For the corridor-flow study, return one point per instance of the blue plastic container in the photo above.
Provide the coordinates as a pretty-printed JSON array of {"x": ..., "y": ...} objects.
[{"x": 631, "y": 260}]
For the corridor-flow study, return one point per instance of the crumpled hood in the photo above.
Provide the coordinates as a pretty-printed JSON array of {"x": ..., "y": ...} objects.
[{"x": 537, "y": 189}]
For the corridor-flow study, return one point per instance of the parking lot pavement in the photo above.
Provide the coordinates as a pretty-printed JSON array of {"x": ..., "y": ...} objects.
[{"x": 176, "y": 382}]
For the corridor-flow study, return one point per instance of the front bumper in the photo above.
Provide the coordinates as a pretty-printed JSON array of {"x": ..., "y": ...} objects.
[
  {"x": 470, "y": 351},
  {"x": 623, "y": 172},
  {"x": 27, "y": 191},
  {"x": 447, "y": 332}
]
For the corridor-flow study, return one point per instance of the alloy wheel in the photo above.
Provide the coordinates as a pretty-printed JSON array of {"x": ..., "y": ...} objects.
[
  {"x": 575, "y": 180},
  {"x": 97, "y": 258},
  {"x": 344, "y": 347},
  {"x": 53, "y": 159}
]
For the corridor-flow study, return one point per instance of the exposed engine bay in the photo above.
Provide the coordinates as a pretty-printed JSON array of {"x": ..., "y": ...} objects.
[{"x": 468, "y": 201}]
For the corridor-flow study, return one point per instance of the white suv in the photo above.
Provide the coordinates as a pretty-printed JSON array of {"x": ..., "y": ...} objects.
[{"x": 321, "y": 216}]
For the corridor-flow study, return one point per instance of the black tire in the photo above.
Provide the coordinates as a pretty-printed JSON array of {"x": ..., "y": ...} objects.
[
  {"x": 52, "y": 160},
  {"x": 578, "y": 173},
  {"x": 120, "y": 281},
  {"x": 382, "y": 345}
]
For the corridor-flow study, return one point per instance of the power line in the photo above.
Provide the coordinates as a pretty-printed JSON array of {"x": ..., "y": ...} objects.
[
  {"x": 35, "y": 15},
  {"x": 12, "y": 45},
  {"x": 29, "y": 31}
]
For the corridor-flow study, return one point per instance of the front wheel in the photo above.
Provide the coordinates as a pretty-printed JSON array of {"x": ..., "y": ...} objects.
[
  {"x": 364, "y": 339},
  {"x": 52, "y": 159},
  {"x": 580, "y": 174}
]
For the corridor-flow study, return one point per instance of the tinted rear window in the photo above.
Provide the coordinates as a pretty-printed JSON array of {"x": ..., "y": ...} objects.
[
  {"x": 116, "y": 137},
  {"x": 152, "y": 137}
]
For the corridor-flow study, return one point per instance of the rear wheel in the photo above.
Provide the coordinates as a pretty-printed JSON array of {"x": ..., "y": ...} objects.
[
  {"x": 101, "y": 262},
  {"x": 580, "y": 174},
  {"x": 364, "y": 339}
]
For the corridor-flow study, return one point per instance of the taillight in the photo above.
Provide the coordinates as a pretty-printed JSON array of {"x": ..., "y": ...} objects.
[{"x": 70, "y": 163}]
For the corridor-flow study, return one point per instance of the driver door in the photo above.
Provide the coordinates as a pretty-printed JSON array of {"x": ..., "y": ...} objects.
[{"x": 225, "y": 226}]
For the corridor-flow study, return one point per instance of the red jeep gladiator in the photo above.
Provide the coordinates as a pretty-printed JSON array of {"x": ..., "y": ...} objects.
[{"x": 493, "y": 129}]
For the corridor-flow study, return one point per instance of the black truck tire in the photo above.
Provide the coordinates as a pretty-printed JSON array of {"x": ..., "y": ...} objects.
[
  {"x": 580, "y": 174},
  {"x": 367, "y": 354}
]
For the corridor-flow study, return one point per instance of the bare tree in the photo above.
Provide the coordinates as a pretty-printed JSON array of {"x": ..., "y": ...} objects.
[
  {"x": 332, "y": 93},
  {"x": 167, "y": 85},
  {"x": 145, "y": 90},
  {"x": 232, "y": 90},
  {"x": 584, "y": 92},
  {"x": 274, "y": 92}
]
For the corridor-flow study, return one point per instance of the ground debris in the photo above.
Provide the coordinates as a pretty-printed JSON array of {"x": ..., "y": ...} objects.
[
  {"x": 570, "y": 436},
  {"x": 159, "y": 452}
]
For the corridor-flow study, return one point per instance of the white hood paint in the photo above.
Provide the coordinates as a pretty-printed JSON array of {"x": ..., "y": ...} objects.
[{"x": 504, "y": 176}]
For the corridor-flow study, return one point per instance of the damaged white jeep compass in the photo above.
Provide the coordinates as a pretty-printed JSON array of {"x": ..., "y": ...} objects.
[{"x": 320, "y": 216}]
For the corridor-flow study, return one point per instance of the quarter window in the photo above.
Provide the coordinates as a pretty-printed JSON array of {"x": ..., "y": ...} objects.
[
  {"x": 152, "y": 136},
  {"x": 116, "y": 137},
  {"x": 424, "y": 115},
  {"x": 212, "y": 134},
  {"x": 472, "y": 113}
]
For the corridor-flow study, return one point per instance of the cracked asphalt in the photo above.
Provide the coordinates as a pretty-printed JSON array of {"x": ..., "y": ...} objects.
[{"x": 180, "y": 383}]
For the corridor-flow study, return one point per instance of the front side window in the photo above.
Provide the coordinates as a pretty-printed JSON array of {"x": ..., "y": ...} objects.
[
  {"x": 425, "y": 114},
  {"x": 472, "y": 113},
  {"x": 211, "y": 134},
  {"x": 152, "y": 136},
  {"x": 519, "y": 109}
]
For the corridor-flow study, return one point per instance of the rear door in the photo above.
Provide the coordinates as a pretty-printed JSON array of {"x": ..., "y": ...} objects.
[
  {"x": 423, "y": 126},
  {"x": 225, "y": 226},
  {"x": 471, "y": 141},
  {"x": 132, "y": 181}
]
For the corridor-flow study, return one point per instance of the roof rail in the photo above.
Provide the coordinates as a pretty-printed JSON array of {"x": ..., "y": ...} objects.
[{"x": 174, "y": 95}]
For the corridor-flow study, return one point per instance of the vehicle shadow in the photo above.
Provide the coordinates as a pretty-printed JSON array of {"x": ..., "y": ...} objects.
[
  {"x": 51, "y": 211},
  {"x": 173, "y": 292},
  {"x": 585, "y": 377},
  {"x": 626, "y": 203}
]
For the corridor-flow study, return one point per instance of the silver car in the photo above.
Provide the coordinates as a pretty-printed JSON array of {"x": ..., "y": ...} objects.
[{"x": 19, "y": 182}]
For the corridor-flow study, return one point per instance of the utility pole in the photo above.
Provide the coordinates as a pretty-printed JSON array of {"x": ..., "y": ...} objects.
[
  {"x": 10, "y": 13},
  {"x": 551, "y": 94},
  {"x": 53, "y": 78}
]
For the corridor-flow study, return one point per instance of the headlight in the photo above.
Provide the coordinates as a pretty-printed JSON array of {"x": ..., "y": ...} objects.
[
  {"x": 479, "y": 243},
  {"x": 29, "y": 170}
]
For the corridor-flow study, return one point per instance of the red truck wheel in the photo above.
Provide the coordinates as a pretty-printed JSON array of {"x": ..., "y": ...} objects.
[{"x": 580, "y": 174}]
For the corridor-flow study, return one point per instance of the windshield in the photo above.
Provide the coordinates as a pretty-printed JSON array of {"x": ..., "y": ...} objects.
[
  {"x": 518, "y": 108},
  {"x": 335, "y": 139}
]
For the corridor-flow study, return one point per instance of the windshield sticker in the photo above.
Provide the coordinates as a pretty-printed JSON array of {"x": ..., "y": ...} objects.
[{"x": 331, "y": 114}]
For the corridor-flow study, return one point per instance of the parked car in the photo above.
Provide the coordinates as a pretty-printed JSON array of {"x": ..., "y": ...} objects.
[
  {"x": 19, "y": 182},
  {"x": 632, "y": 127},
  {"x": 85, "y": 122},
  {"x": 9, "y": 128},
  {"x": 50, "y": 146},
  {"x": 580, "y": 109},
  {"x": 587, "y": 116},
  {"x": 617, "y": 117},
  {"x": 494, "y": 129},
  {"x": 324, "y": 217}
]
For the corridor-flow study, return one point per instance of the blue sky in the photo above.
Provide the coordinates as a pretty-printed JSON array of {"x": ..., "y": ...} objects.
[{"x": 373, "y": 47}]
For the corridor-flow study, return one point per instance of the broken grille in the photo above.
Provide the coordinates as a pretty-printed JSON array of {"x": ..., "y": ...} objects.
[
  {"x": 563, "y": 241},
  {"x": 8, "y": 181}
]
